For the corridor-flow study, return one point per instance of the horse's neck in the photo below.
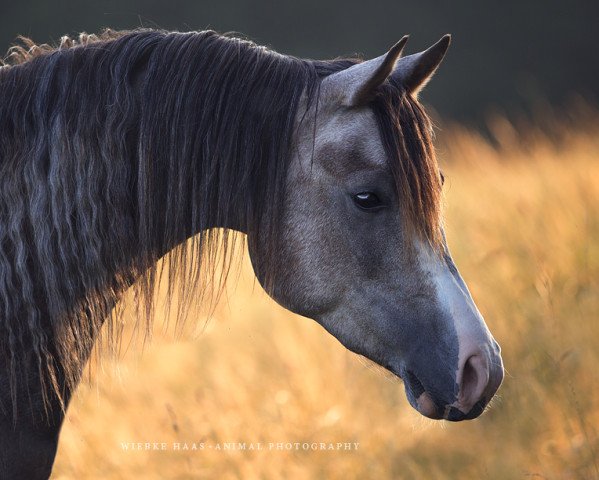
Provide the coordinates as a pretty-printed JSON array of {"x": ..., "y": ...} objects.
[{"x": 165, "y": 236}]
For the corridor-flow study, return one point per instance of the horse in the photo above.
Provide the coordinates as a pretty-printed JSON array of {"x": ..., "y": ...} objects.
[{"x": 119, "y": 148}]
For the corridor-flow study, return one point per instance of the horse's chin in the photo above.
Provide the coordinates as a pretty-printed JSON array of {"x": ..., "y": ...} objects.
[{"x": 419, "y": 398}]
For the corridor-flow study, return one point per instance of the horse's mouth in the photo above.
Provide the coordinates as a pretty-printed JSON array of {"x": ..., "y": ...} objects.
[
  {"x": 423, "y": 402},
  {"x": 454, "y": 414}
]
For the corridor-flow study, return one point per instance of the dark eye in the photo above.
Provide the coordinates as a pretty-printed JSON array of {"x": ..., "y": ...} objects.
[{"x": 367, "y": 200}]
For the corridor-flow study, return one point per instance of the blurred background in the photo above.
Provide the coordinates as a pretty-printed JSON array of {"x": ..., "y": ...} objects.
[{"x": 518, "y": 138}]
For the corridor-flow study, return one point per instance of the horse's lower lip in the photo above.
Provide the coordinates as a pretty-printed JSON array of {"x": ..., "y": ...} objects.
[
  {"x": 422, "y": 400},
  {"x": 427, "y": 407}
]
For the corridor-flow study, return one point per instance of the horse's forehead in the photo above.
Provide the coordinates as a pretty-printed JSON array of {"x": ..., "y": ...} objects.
[{"x": 349, "y": 140}]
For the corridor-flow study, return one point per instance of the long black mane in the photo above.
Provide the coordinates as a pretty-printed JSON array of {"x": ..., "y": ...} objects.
[{"x": 115, "y": 149}]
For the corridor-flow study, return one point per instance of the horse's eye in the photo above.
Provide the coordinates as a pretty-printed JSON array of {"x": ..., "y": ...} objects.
[{"x": 367, "y": 200}]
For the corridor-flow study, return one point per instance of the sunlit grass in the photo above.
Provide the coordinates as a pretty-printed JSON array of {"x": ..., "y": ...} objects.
[{"x": 523, "y": 225}]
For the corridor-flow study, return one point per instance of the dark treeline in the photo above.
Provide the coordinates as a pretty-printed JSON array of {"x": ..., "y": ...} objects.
[{"x": 512, "y": 55}]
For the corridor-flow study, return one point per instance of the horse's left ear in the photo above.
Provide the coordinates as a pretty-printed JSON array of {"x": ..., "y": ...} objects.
[
  {"x": 414, "y": 71},
  {"x": 355, "y": 85}
]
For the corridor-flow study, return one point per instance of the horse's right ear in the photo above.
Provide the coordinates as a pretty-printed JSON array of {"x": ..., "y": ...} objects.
[
  {"x": 355, "y": 86},
  {"x": 414, "y": 71}
]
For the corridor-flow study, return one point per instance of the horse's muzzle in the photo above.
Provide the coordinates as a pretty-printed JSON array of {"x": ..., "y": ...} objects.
[{"x": 478, "y": 379}]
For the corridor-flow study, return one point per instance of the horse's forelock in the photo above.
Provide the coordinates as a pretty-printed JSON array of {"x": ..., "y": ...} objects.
[{"x": 407, "y": 135}]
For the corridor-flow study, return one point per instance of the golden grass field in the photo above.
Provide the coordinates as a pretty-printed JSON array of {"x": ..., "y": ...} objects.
[{"x": 523, "y": 225}]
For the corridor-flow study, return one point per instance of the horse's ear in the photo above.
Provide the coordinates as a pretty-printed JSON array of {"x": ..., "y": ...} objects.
[
  {"x": 355, "y": 85},
  {"x": 414, "y": 71}
]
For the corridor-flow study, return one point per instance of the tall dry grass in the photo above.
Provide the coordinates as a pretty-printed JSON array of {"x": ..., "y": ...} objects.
[{"x": 523, "y": 225}]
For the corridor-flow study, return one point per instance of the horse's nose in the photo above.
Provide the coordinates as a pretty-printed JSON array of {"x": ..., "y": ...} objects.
[
  {"x": 474, "y": 381},
  {"x": 478, "y": 378}
]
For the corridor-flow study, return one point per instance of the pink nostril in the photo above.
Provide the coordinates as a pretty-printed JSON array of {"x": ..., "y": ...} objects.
[
  {"x": 469, "y": 380},
  {"x": 474, "y": 380}
]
